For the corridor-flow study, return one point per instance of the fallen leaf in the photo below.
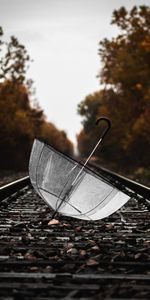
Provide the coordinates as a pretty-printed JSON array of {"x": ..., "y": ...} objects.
[
  {"x": 53, "y": 222},
  {"x": 78, "y": 228},
  {"x": 82, "y": 252},
  {"x": 30, "y": 256},
  {"x": 91, "y": 262},
  {"x": 34, "y": 269},
  {"x": 66, "y": 225},
  {"x": 95, "y": 248},
  {"x": 69, "y": 246},
  {"x": 48, "y": 269},
  {"x": 136, "y": 256},
  {"x": 146, "y": 242},
  {"x": 109, "y": 226},
  {"x": 72, "y": 251},
  {"x": 91, "y": 241}
]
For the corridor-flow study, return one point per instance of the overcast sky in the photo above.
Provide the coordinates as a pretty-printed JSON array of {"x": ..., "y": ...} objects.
[{"x": 62, "y": 38}]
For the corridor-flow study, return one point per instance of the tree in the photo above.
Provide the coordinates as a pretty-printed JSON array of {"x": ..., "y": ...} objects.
[
  {"x": 88, "y": 108},
  {"x": 125, "y": 74},
  {"x": 14, "y": 60},
  {"x": 56, "y": 138},
  {"x": 20, "y": 120},
  {"x": 18, "y": 125},
  {"x": 126, "y": 68}
]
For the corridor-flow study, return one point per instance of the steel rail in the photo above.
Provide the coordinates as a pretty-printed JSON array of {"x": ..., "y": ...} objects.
[
  {"x": 13, "y": 187},
  {"x": 144, "y": 191},
  {"x": 75, "y": 276},
  {"x": 138, "y": 188}
]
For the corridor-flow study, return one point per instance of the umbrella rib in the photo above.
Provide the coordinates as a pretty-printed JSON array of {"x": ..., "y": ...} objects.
[{"x": 62, "y": 199}]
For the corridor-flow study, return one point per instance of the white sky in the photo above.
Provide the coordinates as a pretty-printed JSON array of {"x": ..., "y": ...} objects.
[{"x": 62, "y": 38}]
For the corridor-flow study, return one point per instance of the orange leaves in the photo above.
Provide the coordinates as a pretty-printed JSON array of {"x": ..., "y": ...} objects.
[
  {"x": 145, "y": 44},
  {"x": 125, "y": 98},
  {"x": 54, "y": 222},
  {"x": 55, "y": 137},
  {"x": 20, "y": 121},
  {"x": 138, "y": 86}
]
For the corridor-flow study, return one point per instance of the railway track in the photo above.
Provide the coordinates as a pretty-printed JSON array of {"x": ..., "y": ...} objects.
[{"x": 73, "y": 259}]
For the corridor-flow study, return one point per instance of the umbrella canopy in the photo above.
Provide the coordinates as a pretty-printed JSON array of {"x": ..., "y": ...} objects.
[{"x": 71, "y": 188}]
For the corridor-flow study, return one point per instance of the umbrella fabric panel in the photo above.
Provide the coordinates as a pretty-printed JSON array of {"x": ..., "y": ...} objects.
[
  {"x": 55, "y": 173},
  {"x": 87, "y": 194},
  {"x": 34, "y": 158},
  {"x": 54, "y": 202},
  {"x": 90, "y": 193},
  {"x": 51, "y": 200},
  {"x": 94, "y": 199},
  {"x": 112, "y": 206}
]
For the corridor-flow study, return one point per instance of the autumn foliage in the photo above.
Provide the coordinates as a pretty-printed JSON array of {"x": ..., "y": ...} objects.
[
  {"x": 21, "y": 120},
  {"x": 125, "y": 98}
]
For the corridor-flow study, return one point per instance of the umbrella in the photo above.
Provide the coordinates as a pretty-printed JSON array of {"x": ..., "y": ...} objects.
[{"x": 70, "y": 187}]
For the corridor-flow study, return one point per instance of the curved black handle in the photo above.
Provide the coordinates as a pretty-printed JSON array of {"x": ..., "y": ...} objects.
[{"x": 108, "y": 125}]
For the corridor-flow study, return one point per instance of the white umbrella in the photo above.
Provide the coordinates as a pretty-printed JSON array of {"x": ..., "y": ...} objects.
[{"x": 70, "y": 187}]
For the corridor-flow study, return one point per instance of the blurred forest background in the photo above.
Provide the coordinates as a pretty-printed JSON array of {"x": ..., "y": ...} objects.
[
  {"x": 21, "y": 118},
  {"x": 124, "y": 97}
]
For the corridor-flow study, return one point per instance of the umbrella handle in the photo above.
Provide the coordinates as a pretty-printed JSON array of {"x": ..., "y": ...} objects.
[
  {"x": 108, "y": 125},
  {"x": 100, "y": 140}
]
